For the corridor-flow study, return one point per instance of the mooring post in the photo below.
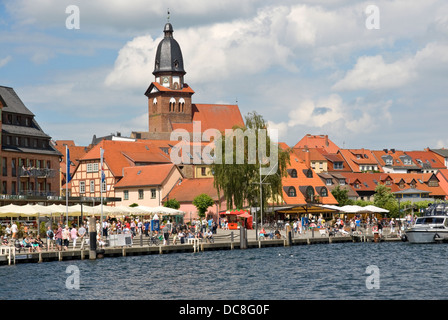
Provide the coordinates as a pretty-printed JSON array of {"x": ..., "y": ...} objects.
[
  {"x": 243, "y": 238},
  {"x": 92, "y": 239}
]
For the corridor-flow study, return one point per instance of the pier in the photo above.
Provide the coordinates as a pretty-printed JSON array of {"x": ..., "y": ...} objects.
[{"x": 224, "y": 240}]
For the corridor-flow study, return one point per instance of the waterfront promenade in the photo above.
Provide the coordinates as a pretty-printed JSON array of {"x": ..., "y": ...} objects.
[{"x": 223, "y": 240}]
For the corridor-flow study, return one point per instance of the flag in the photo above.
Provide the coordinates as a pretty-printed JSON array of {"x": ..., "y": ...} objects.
[
  {"x": 103, "y": 176},
  {"x": 67, "y": 151}
]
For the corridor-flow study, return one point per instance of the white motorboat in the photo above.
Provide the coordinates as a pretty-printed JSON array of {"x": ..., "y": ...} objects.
[{"x": 431, "y": 227}]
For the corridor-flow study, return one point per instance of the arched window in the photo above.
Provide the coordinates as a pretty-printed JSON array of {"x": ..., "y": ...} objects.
[
  {"x": 310, "y": 193},
  {"x": 324, "y": 192},
  {"x": 293, "y": 173},
  {"x": 172, "y": 104},
  {"x": 181, "y": 104},
  {"x": 292, "y": 192}
]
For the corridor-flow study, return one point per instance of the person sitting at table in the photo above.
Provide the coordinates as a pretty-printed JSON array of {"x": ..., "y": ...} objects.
[
  {"x": 209, "y": 235},
  {"x": 27, "y": 243},
  {"x": 262, "y": 233},
  {"x": 277, "y": 234},
  {"x": 5, "y": 241}
]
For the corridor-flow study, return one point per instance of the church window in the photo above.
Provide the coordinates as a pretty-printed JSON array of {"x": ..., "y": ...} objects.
[{"x": 172, "y": 104}]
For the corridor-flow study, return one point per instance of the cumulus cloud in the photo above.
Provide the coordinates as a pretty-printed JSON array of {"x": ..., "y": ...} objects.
[{"x": 373, "y": 73}]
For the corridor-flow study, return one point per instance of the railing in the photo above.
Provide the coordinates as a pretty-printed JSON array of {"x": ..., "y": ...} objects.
[
  {"x": 37, "y": 172},
  {"x": 9, "y": 252}
]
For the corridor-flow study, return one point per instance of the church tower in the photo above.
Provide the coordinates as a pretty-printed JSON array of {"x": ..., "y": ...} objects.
[{"x": 169, "y": 97}]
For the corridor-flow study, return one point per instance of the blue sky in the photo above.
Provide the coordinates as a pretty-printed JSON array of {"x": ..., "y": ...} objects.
[{"x": 307, "y": 67}]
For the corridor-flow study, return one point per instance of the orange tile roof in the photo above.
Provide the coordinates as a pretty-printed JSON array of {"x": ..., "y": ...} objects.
[
  {"x": 427, "y": 158},
  {"x": 119, "y": 154},
  {"x": 188, "y": 189},
  {"x": 357, "y": 157},
  {"x": 150, "y": 175},
  {"x": 302, "y": 181},
  {"x": 159, "y": 87},
  {"x": 213, "y": 116},
  {"x": 317, "y": 141}
]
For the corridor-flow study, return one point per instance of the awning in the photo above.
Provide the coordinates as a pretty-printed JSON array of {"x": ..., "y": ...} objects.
[{"x": 309, "y": 208}]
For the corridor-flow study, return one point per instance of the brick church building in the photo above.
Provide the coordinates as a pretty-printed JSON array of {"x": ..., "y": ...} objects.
[{"x": 170, "y": 104}]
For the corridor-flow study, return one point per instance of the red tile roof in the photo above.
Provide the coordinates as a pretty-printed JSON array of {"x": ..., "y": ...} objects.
[
  {"x": 357, "y": 157},
  {"x": 213, "y": 116},
  {"x": 317, "y": 141},
  {"x": 159, "y": 87},
  {"x": 427, "y": 159},
  {"x": 302, "y": 181},
  {"x": 188, "y": 189},
  {"x": 150, "y": 175},
  {"x": 122, "y": 154}
]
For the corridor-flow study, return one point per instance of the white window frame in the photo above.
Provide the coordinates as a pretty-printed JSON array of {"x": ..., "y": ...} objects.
[{"x": 82, "y": 187}]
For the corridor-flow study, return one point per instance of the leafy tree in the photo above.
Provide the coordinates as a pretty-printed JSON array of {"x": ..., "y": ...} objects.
[
  {"x": 240, "y": 182},
  {"x": 172, "y": 203},
  {"x": 384, "y": 198},
  {"x": 202, "y": 202},
  {"x": 341, "y": 196}
]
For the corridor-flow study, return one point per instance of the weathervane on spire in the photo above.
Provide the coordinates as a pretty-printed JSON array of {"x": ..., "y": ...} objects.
[{"x": 168, "y": 17}]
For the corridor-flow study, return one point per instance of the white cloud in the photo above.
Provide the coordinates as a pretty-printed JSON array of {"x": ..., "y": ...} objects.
[
  {"x": 373, "y": 73},
  {"x": 4, "y": 61}
]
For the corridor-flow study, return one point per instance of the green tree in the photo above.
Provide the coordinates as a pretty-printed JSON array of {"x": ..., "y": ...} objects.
[
  {"x": 240, "y": 182},
  {"x": 172, "y": 203},
  {"x": 341, "y": 196},
  {"x": 385, "y": 199},
  {"x": 202, "y": 202}
]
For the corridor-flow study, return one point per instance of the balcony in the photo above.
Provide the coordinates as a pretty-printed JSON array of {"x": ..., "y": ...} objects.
[{"x": 37, "y": 172}]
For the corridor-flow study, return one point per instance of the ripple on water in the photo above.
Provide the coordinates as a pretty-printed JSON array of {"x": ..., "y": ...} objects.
[{"x": 325, "y": 271}]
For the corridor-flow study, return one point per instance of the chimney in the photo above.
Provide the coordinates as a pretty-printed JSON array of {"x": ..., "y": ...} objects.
[
  {"x": 326, "y": 140},
  {"x": 307, "y": 157}
]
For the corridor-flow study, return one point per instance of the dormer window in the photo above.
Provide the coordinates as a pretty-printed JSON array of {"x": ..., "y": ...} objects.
[
  {"x": 293, "y": 173},
  {"x": 292, "y": 192}
]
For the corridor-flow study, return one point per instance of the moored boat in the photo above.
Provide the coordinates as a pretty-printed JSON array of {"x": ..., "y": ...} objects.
[{"x": 431, "y": 227}]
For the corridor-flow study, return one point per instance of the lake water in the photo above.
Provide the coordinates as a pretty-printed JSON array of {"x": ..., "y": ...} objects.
[{"x": 305, "y": 272}]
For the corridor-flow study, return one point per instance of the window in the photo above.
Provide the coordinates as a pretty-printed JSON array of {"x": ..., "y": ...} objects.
[
  {"x": 153, "y": 193},
  {"x": 293, "y": 173},
  {"x": 342, "y": 182},
  {"x": 309, "y": 174},
  {"x": 203, "y": 171},
  {"x": 324, "y": 192},
  {"x": 329, "y": 182},
  {"x": 140, "y": 194},
  {"x": 92, "y": 167},
  {"x": 338, "y": 166},
  {"x": 291, "y": 192},
  {"x": 126, "y": 194},
  {"x": 82, "y": 187},
  {"x": 310, "y": 193}
]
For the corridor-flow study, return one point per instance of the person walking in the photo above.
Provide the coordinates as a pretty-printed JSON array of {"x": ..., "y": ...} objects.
[
  {"x": 65, "y": 238},
  {"x": 58, "y": 237},
  {"x": 82, "y": 232},
  {"x": 14, "y": 230},
  {"x": 74, "y": 236}
]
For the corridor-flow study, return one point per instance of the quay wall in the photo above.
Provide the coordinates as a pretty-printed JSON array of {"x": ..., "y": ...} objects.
[{"x": 139, "y": 248}]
